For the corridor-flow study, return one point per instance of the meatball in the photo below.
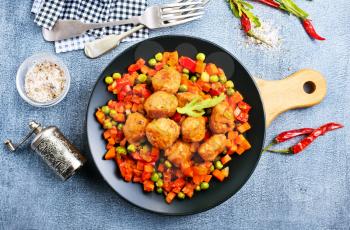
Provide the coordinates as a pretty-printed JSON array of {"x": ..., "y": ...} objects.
[
  {"x": 186, "y": 97},
  {"x": 162, "y": 133},
  {"x": 179, "y": 153},
  {"x": 193, "y": 129},
  {"x": 135, "y": 128},
  {"x": 212, "y": 147},
  {"x": 167, "y": 80},
  {"x": 222, "y": 118},
  {"x": 160, "y": 104}
]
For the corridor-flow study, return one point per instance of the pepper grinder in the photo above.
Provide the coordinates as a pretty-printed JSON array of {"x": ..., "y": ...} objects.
[{"x": 53, "y": 147}]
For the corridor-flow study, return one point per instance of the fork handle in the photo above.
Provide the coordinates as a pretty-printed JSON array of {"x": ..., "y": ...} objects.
[
  {"x": 133, "y": 20},
  {"x": 101, "y": 46}
]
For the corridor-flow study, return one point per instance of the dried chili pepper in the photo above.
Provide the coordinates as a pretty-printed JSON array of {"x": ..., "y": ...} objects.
[
  {"x": 309, "y": 28},
  {"x": 300, "y": 146},
  {"x": 270, "y": 3},
  {"x": 246, "y": 25}
]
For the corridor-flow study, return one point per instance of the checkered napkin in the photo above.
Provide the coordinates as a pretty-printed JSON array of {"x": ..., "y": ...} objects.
[{"x": 47, "y": 12}]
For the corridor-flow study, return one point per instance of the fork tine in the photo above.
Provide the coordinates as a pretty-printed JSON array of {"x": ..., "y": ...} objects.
[
  {"x": 187, "y": 4},
  {"x": 178, "y": 22},
  {"x": 184, "y": 10},
  {"x": 176, "y": 17}
]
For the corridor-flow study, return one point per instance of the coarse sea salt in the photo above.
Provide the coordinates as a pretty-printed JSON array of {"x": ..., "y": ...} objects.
[
  {"x": 266, "y": 36},
  {"x": 44, "y": 82}
]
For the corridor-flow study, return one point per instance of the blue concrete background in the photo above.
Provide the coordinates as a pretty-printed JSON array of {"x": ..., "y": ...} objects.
[{"x": 309, "y": 191}]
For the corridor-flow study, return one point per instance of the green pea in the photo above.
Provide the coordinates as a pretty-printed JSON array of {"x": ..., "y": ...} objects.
[
  {"x": 106, "y": 109},
  {"x": 183, "y": 88},
  {"x": 159, "y": 56},
  {"x": 198, "y": 188},
  {"x": 181, "y": 195},
  {"x": 159, "y": 190},
  {"x": 109, "y": 80},
  {"x": 193, "y": 78},
  {"x": 120, "y": 126},
  {"x": 107, "y": 124},
  {"x": 218, "y": 165},
  {"x": 160, "y": 175},
  {"x": 114, "y": 123},
  {"x": 200, "y": 57},
  {"x": 155, "y": 177},
  {"x": 212, "y": 168},
  {"x": 152, "y": 62},
  {"x": 222, "y": 79},
  {"x": 230, "y": 91},
  {"x": 204, "y": 185},
  {"x": 121, "y": 150},
  {"x": 229, "y": 84},
  {"x": 131, "y": 148},
  {"x": 214, "y": 78},
  {"x": 184, "y": 70},
  {"x": 159, "y": 183},
  {"x": 142, "y": 78},
  {"x": 112, "y": 112},
  {"x": 167, "y": 164},
  {"x": 116, "y": 75}
]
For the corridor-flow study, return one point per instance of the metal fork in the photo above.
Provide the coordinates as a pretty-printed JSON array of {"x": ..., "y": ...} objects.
[
  {"x": 153, "y": 17},
  {"x": 100, "y": 46}
]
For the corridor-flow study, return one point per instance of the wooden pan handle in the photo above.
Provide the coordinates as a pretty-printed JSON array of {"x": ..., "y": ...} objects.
[{"x": 304, "y": 88}]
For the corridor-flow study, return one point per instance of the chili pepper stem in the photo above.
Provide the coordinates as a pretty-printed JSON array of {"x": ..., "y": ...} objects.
[
  {"x": 267, "y": 148},
  {"x": 279, "y": 151}
]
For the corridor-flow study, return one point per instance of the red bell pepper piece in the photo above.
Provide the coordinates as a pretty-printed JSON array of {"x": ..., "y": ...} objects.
[{"x": 188, "y": 63}]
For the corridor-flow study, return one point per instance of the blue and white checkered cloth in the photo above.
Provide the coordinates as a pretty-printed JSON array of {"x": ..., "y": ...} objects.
[{"x": 47, "y": 12}]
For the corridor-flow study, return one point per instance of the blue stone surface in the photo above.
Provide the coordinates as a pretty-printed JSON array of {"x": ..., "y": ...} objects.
[{"x": 308, "y": 191}]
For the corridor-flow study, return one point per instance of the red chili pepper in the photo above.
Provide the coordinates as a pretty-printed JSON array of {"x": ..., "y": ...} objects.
[
  {"x": 309, "y": 28},
  {"x": 315, "y": 134},
  {"x": 285, "y": 136},
  {"x": 270, "y": 3},
  {"x": 246, "y": 25},
  {"x": 306, "y": 141},
  {"x": 188, "y": 63}
]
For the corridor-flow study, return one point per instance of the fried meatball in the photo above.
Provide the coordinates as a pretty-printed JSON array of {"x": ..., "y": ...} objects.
[
  {"x": 179, "y": 153},
  {"x": 186, "y": 97},
  {"x": 167, "y": 80},
  {"x": 162, "y": 133},
  {"x": 193, "y": 129},
  {"x": 160, "y": 104},
  {"x": 135, "y": 128},
  {"x": 212, "y": 147},
  {"x": 222, "y": 118}
]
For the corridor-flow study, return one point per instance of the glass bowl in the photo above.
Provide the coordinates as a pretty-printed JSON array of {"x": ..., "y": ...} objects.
[{"x": 27, "y": 64}]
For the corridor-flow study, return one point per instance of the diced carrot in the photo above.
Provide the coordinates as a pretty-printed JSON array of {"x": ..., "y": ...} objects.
[
  {"x": 110, "y": 154},
  {"x": 225, "y": 159},
  {"x": 207, "y": 178},
  {"x": 111, "y": 141},
  {"x": 148, "y": 185},
  {"x": 173, "y": 58},
  {"x": 106, "y": 134},
  {"x": 200, "y": 67},
  {"x": 244, "y": 127},
  {"x": 239, "y": 139},
  {"x": 232, "y": 135},
  {"x": 148, "y": 168},
  {"x": 240, "y": 150},
  {"x": 211, "y": 69},
  {"x": 245, "y": 144},
  {"x": 137, "y": 172},
  {"x": 128, "y": 105},
  {"x": 218, "y": 175},
  {"x": 146, "y": 175},
  {"x": 100, "y": 116},
  {"x": 140, "y": 165},
  {"x": 176, "y": 190},
  {"x": 161, "y": 168},
  {"x": 123, "y": 142},
  {"x": 169, "y": 198},
  {"x": 120, "y": 117},
  {"x": 237, "y": 97},
  {"x": 136, "y": 179}
]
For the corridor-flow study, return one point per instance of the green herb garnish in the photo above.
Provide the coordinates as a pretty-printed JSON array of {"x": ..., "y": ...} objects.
[{"x": 195, "y": 108}]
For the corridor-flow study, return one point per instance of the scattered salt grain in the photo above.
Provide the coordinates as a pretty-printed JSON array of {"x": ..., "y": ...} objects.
[
  {"x": 266, "y": 36},
  {"x": 44, "y": 81}
]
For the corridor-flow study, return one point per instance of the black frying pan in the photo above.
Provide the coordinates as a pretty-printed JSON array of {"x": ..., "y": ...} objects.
[{"x": 273, "y": 94}]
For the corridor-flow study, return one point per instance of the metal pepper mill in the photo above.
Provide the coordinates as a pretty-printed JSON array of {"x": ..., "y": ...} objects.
[{"x": 52, "y": 146}]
